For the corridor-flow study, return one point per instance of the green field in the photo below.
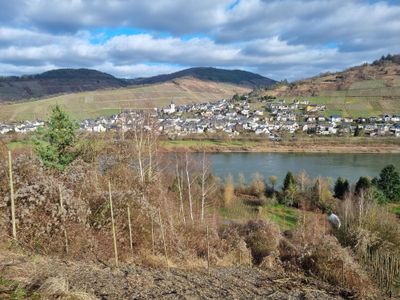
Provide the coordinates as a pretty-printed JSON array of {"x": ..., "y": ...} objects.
[
  {"x": 108, "y": 102},
  {"x": 285, "y": 217}
]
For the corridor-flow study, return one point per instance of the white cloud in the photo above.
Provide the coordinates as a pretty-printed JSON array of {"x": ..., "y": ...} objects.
[{"x": 281, "y": 39}]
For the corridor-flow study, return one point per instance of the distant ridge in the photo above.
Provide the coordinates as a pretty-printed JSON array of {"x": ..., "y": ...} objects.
[
  {"x": 238, "y": 77},
  {"x": 65, "y": 81},
  {"x": 56, "y": 82}
]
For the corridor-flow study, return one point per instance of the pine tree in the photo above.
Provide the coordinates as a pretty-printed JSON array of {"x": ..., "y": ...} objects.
[
  {"x": 342, "y": 187},
  {"x": 289, "y": 181},
  {"x": 363, "y": 184},
  {"x": 54, "y": 143},
  {"x": 389, "y": 183}
]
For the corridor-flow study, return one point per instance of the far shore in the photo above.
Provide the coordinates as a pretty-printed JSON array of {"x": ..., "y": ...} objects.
[{"x": 387, "y": 146}]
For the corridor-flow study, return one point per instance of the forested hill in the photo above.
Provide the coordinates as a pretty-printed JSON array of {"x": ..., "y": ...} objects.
[
  {"x": 66, "y": 81},
  {"x": 56, "y": 82},
  {"x": 238, "y": 77}
]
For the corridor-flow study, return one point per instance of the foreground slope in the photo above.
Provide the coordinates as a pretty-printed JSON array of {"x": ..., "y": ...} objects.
[
  {"x": 370, "y": 89},
  {"x": 105, "y": 102},
  {"x": 61, "y": 279}
]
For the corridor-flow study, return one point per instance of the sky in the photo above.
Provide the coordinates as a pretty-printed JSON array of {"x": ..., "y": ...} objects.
[{"x": 280, "y": 39}]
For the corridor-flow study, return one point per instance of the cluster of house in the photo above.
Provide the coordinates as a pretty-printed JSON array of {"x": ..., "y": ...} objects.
[
  {"x": 270, "y": 118},
  {"x": 23, "y": 127}
]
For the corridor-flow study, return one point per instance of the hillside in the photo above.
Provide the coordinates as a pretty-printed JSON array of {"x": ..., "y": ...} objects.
[
  {"x": 56, "y": 82},
  {"x": 369, "y": 89},
  {"x": 238, "y": 77},
  {"x": 92, "y": 104},
  {"x": 65, "y": 81}
]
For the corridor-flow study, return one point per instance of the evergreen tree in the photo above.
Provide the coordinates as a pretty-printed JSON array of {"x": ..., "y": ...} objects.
[
  {"x": 363, "y": 184},
  {"x": 54, "y": 143},
  {"x": 342, "y": 187},
  {"x": 389, "y": 183},
  {"x": 289, "y": 181},
  {"x": 289, "y": 190}
]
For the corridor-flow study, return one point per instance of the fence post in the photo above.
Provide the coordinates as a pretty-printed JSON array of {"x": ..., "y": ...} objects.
[
  {"x": 130, "y": 229},
  {"x": 163, "y": 238},
  {"x": 152, "y": 236},
  {"x": 62, "y": 211},
  {"x": 208, "y": 252},
  {"x": 113, "y": 225},
  {"x": 14, "y": 226}
]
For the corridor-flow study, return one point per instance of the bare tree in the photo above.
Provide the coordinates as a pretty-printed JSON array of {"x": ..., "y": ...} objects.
[
  {"x": 205, "y": 189},
  {"x": 179, "y": 180},
  {"x": 189, "y": 187}
]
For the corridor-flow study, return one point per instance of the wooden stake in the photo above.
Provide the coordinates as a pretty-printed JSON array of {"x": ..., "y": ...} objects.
[
  {"x": 152, "y": 236},
  {"x": 208, "y": 252},
  {"x": 14, "y": 226},
  {"x": 66, "y": 241},
  {"x": 62, "y": 211},
  {"x": 130, "y": 229},
  {"x": 163, "y": 238},
  {"x": 250, "y": 263},
  {"x": 113, "y": 226},
  {"x": 61, "y": 198}
]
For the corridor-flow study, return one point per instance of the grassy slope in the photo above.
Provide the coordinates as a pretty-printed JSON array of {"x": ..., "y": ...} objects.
[
  {"x": 108, "y": 102},
  {"x": 362, "y": 91},
  {"x": 285, "y": 217}
]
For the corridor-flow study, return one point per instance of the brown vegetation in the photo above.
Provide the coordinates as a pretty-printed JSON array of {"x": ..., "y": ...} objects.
[{"x": 172, "y": 203}]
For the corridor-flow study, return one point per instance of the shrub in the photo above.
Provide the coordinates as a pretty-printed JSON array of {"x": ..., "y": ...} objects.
[
  {"x": 229, "y": 192},
  {"x": 336, "y": 265},
  {"x": 261, "y": 237},
  {"x": 321, "y": 195},
  {"x": 258, "y": 185}
]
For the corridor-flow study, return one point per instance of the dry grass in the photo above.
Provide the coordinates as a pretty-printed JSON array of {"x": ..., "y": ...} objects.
[{"x": 58, "y": 288}]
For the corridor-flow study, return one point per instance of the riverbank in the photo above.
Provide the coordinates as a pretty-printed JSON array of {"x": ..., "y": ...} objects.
[{"x": 311, "y": 145}]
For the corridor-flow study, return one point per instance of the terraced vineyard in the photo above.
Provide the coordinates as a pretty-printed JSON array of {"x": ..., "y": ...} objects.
[
  {"x": 367, "y": 90},
  {"x": 107, "y": 102},
  {"x": 365, "y": 98}
]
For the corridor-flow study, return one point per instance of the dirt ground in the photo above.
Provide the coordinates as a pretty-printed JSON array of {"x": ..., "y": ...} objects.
[{"x": 44, "y": 278}]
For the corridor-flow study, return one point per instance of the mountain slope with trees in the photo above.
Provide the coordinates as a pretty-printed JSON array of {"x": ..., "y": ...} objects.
[
  {"x": 238, "y": 77},
  {"x": 65, "y": 81}
]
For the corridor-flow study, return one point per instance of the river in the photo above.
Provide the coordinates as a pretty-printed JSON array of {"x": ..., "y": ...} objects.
[{"x": 350, "y": 166}]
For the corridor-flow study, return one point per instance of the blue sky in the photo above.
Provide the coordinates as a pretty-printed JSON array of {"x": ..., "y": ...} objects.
[{"x": 128, "y": 38}]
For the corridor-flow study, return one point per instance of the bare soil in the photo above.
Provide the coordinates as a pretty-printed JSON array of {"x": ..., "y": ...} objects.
[{"x": 99, "y": 281}]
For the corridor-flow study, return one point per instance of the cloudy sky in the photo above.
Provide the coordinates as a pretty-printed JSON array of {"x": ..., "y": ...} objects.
[{"x": 128, "y": 38}]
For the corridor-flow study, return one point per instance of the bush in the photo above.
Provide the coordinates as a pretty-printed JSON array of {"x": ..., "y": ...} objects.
[
  {"x": 262, "y": 238},
  {"x": 336, "y": 265},
  {"x": 258, "y": 185},
  {"x": 229, "y": 192}
]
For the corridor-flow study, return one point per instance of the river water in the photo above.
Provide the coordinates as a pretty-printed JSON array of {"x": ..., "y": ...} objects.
[{"x": 350, "y": 166}]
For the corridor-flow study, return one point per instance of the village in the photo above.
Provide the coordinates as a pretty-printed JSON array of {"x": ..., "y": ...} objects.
[{"x": 269, "y": 118}]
